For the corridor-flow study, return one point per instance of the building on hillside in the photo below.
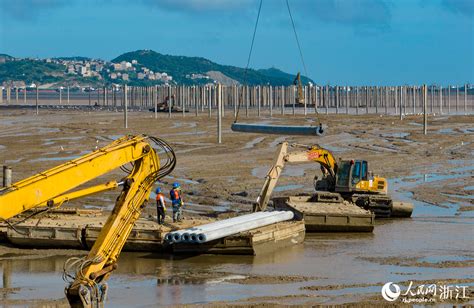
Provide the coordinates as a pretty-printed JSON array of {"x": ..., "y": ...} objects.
[
  {"x": 81, "y": 70},
  {"x": 124, "y": 65},
  {"x": 98, "y": 67},
  {"x": 70, "y": 69},
  {"x": 116, "y": 66}
]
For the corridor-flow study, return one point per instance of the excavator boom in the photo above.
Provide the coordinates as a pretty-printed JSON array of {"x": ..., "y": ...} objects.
[
  {"x": 310, "y": 153},
  {"x": 87, "y": 276},
  {"x": 44, "y": 186},
  {"x": 297, "y": 82}
]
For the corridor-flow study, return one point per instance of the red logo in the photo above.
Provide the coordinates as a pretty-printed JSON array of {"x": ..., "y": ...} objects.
[{"x": 313, "y": 155}]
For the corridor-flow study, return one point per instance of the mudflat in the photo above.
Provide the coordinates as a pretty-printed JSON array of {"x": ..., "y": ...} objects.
[{"x": 433, "y": 171}]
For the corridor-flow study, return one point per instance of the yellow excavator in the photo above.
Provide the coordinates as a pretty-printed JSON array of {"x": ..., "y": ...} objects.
[
  {"x": 50, "y": 189},
  {"x": 342, "y": 180},
  {"x": 299, "y": 99}
]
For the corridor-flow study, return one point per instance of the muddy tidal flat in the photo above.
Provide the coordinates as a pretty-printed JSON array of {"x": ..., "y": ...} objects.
[{"x": 434, "y": 172}]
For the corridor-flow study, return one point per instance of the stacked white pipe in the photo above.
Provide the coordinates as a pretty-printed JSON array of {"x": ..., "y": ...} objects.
[{"x": 222, "y": 228}]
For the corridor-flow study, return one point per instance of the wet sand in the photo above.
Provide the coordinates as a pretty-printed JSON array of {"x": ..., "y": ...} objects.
[{"x": 434, "y": 172}]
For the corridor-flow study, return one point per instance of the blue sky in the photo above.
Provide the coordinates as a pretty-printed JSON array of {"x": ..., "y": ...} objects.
[{"x": 356, "y": 42}]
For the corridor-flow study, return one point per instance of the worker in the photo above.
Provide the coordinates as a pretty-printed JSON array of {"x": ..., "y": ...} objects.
[
  {"x": 176, "y": 202},
  {"x": 160, "y": 206}
]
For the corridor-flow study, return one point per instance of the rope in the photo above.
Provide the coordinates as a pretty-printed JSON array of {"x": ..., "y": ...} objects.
[
  {"x": 302, "y": 60},
  {"x": 248, "y": 60},
  {"x": 296, "y": 37},
  {"x": 250, "y": 54}
]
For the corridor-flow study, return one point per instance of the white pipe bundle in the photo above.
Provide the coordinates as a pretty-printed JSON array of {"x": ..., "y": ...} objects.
[
  {"x": 278, "y": 216},
  {"x": 178, "y": 236},
  {"x": 185, "y": 235},
  {"x": 223, "y": 228},
  {"x": 190, "y": 235}
]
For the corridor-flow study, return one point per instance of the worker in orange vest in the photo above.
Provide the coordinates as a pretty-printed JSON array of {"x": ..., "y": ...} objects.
[
  {"x": 160, "y": 206},
  {"x": 176, "y": 202}
]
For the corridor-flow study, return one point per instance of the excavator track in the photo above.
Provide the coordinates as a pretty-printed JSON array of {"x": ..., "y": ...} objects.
[
  {"x": 326, "y": 196},
  {"x": 380, "y": 205}
]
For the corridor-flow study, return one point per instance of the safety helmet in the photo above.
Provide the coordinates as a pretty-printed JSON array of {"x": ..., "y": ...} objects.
[
  {"x": 158, "y": 190},
  {"x": 176, "y": 185}
]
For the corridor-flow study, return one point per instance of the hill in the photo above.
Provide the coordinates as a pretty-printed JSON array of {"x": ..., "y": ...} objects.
[
  {"x": 5, "y": 56},
  {"x": 276, "y": 73},
  {"x": 182, "y": 68},
  {"x": 77, "y": 58},
  {"x": 83, "y": 71},
  {"x": 31, "y": 71}
]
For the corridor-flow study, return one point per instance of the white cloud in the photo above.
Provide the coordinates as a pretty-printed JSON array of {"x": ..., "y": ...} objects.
[
  {"x": 28, "y": 9},
  {"x": 203, "y": 5},
  {"x": 465, "y": 7}
]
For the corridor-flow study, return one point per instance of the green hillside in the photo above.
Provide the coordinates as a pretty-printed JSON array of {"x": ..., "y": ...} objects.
[
  {"x": 276, "y": 73},
  {"x": 77, "y": 58},
  {"x": 180, "y": 66},
  {"x": 5, "y": 56},
  {"x": 31, "y": 71}
]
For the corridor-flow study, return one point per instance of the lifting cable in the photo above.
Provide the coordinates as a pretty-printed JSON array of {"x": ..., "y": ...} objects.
[
  {"x": 296, "y": 37},
  {"x": 248, "y": 61},
  {"x": 302, "y": 58},
  {"x": 250, "y": 54}
]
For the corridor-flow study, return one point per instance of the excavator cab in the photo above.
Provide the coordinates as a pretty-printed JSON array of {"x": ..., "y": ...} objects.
[{"x": 351, "y": 176}]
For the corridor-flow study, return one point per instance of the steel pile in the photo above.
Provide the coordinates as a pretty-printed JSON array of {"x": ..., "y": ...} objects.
[
  {"x": 219, "y": 229},
  {"x": 278, "y": 129}
]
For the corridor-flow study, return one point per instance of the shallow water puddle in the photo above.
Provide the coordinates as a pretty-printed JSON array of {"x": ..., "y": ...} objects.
[
  {"x": 444, "y": 258},
  {"x": 187, "y": 181},
  {"x": 396, "y": 135},
  {"x": 58, "y": 158},
  {"x": 468, "y": 197},
  {"x": 288, "y": 187},
  {"x": 253, "y": 142}
]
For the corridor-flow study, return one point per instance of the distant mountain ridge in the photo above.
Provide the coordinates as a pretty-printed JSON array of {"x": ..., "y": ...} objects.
[
  {"x": 180, "y": 67},
  {"x": 146, "y": 70},
  {"x": 5, "y": 56},
  {"x": 76, "y": 58}
]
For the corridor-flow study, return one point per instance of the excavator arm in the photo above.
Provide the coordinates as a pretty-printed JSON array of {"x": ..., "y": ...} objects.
[
  {"x": 310, "y": 153},
  {"x": 45, "y": 186},
  {"x": 297, "y": 82},
  {"x": 53, "y": 187}
]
